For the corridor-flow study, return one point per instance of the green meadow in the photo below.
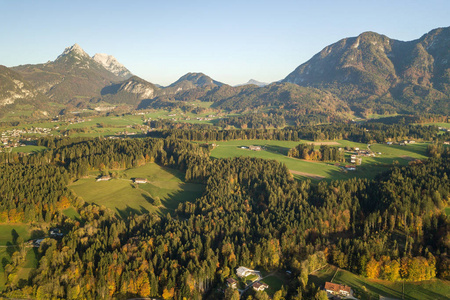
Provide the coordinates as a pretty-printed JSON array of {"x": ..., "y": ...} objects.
[
  {"x": 373, "y": 289},
  {"x": 8, "y": 237},
  {"x": 10, "y": 233},
  {"x": 278, "y": 150},
  {"x": 29, "y": 149},
  {"x": 125, "y": 197}
]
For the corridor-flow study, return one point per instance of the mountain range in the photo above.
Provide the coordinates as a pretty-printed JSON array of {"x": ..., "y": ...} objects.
[{"x": 367, "y": 74}]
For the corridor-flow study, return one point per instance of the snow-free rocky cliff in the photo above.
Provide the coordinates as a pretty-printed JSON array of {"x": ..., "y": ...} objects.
[{"x": 111, "y": 64}]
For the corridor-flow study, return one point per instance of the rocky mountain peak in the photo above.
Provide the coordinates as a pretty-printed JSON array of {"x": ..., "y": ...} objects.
[
  {"x": 74, "y": 50},
  {"x": 111, "y": 64}
]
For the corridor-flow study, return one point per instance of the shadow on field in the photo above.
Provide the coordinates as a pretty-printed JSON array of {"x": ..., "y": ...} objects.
[
  {"x": 277, "y": 149},
  {"x": 129, "y": 211}
]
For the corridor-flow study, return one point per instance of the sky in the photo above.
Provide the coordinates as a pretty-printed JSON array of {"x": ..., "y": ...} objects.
[{"x": 230, "y": 41}]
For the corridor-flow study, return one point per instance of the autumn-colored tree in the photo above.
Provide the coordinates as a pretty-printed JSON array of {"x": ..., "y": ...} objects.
[{"x": 373, "y": 269}]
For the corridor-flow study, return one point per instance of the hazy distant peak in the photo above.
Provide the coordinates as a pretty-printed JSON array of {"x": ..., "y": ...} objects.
[
  {"x": 75, "y": 49},
  {"x": 111, "y": 64},
  {"x": 254, "y": 82},
  {"x": 195, "y": 80}
]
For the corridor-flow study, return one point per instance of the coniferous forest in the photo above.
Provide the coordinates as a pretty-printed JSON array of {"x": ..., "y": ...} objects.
[{"x": 252, "y": 213}]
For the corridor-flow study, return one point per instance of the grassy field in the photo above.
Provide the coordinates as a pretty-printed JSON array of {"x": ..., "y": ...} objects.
[
  {"x": 72, "y": 213},
  {"x": 8, "y": 236},
  {"x": 125, "y": 197},
  {"x": 24, "y": 269},
  {"x": 278, "y": 150},
  {"x": 29, "y": 149},
  {"x": 275, "y": 282},
  {"x": 441, "y": 124},
  {"x": 9, "y": 233},
  {"x": 372, "y": 289}
]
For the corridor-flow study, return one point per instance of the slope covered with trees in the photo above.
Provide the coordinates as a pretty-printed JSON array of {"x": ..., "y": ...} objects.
[{"x": 252, "y": 213}]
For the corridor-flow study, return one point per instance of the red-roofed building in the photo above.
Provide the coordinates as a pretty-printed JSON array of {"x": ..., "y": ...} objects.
[
  {"x": 257, "y": 286},
  {"x": 338, "y": 289}
]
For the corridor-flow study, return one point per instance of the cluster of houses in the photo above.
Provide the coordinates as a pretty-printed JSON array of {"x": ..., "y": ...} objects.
[
  {"x": 14, "y": 138},
  {"x": 243, "y": 272}
]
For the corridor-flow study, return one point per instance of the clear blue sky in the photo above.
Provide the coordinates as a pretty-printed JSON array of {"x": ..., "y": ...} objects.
[{"x": 231, "y": 41}]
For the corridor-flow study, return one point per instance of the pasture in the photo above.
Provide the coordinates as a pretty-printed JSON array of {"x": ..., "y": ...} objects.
[
  {"x": 302, "y": 169},
  {"x": 372, "y": 289},
  {"x": 123, "y": 196}
]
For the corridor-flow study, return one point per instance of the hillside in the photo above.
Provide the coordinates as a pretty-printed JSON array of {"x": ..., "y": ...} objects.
[
  {"x": 73, "y": 75},
  {"x": 16, "y": 92},
  {"x": 374, "y": 73},
  {"x": 130, "y": 91}
]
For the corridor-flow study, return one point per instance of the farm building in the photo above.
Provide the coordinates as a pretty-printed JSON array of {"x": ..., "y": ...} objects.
[
  {"x": 255, "y": 148},
  {"x": 140, "y": 180},
  {"x": 338, "y": 289},
  {"x": 104, "y": 178}
]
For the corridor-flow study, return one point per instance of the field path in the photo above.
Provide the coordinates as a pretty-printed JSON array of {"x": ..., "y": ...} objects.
[{"x": 310, "y": 175}]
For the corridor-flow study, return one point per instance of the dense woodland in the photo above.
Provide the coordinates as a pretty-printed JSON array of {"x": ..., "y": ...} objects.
[
  {"x": 364, "y": 133},
  {"x": 252, "y": 213},
  {"x": 324, "y": 153}
]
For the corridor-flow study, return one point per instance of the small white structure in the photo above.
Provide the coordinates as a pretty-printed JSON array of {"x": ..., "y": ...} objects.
[{"x": 244, "y": 272}]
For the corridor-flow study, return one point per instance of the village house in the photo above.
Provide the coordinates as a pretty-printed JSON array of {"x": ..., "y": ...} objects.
[
  {"x": 104, "y": 178},
  {"x": 140, "y": 180},
  {"x": 258, "y": 286},
  {"x": 232, "y": 283},
  {"x": 338, "y": 289}
]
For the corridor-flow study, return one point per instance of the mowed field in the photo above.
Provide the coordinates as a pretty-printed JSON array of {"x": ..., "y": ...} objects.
[
  {"x": 371, "y": 289},
  {"x": 125, "y": 197},
  {"x": 278, "y": 150},
  {"x": 8, "y": 237}
]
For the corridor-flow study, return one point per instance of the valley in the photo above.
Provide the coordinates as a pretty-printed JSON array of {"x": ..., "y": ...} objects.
[{"x": 337, "y": 174}]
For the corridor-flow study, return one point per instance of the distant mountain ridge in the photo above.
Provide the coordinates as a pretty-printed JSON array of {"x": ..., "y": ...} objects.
[
  {"x": 72, "y": 75},
  {"x": 373, "y": 72},
  {"x": 367, "y": 74}
]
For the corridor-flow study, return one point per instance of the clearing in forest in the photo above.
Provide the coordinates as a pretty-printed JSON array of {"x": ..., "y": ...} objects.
[{"x": 126, "y": 197}]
